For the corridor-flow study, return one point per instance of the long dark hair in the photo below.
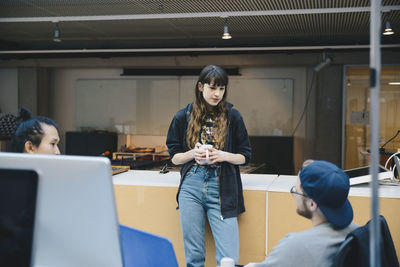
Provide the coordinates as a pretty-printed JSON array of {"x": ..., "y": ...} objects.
[
  {"x": 30, "y": 130},
  {"x": 216, "y": 76}
]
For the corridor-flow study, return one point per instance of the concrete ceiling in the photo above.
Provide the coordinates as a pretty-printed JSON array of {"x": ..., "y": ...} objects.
[{"x": 190, "y": 24}]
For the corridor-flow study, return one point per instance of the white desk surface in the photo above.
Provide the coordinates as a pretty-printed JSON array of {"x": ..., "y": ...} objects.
[
  {"x": 171, "y": 179},
  {"x": 262, "y": 182},
  {"x": 147, "y": 178}
]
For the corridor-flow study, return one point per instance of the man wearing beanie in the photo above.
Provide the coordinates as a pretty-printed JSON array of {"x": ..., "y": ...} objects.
[{"x": 321, "y": 192}]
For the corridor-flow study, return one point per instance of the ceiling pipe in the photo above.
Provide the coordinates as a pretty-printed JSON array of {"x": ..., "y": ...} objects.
[
  {"x": 199, "y": 15},
  {"x": 205, "y": 49}
]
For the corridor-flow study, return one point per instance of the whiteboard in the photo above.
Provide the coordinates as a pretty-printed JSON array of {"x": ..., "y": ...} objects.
[
  {"x": 146, "y": 106},
  {"x": 265, "y": 104}
]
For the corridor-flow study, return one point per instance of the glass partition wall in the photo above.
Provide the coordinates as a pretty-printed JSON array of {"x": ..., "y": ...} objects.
[{"x": 357, "y": 122}]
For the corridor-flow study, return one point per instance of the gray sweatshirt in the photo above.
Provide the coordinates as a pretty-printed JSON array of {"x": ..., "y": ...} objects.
[{"x": 313, "y": 247}]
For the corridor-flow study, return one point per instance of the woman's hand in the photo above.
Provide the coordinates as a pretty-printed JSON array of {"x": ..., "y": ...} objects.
[
  {"x": 200, "y": 155},
  {"x": 217, "y": 155},
  {"x": 184, "y": 157}
]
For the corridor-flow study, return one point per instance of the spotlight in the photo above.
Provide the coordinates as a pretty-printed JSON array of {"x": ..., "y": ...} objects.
[
  {"x": 326, "y": 60},
  {"x": 226, "y": 34},
  {"x": 56, "y": 37},
  {"x": 388, "y": 29}
]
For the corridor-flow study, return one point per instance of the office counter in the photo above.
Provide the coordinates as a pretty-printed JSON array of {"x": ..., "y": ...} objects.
[{"x": 147, "y": 200}]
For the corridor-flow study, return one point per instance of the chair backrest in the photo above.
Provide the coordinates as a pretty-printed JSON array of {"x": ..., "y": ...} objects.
[
  {"x": 344, "y": 253},
  {"x": 354, "y": 251},
  {"x": 388, "y": 251},
  {"x": 143, "y": 249}
]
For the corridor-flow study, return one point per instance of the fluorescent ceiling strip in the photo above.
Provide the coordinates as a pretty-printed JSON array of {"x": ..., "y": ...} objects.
[{"x": 199, "y": 15}]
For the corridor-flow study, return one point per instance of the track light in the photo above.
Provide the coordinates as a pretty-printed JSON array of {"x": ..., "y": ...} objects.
[
  {"x": 56, "y": 37},
  {"x": 388, "y": 29},
  {"x": 226, "y": 34},
  {"x": 326, "y": 60}
]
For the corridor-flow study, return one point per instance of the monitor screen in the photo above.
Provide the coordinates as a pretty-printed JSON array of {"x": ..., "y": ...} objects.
[
  {"x": 397, "y": 164},
  {"x": 362, "y": 175},
  {"x": 76, "y": 222},
  {"x": 18, "y": 190}
]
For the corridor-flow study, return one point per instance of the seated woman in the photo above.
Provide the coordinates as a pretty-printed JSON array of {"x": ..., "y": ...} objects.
[{"x": 37, "y": 135}]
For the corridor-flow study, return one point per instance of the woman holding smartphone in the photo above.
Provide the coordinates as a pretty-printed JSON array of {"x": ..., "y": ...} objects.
[{"x": 209, "y": 139}]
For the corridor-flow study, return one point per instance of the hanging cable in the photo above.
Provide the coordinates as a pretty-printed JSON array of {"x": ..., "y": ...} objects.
[
  {"x": 383, "y": 146},
  {"x": 313, "y": 78}
]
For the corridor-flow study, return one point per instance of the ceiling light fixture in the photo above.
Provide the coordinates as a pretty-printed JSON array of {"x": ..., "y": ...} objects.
[
  {"x": 226, "y": 35},
  {"x": 326, "y": 60},
  {"x": 395, "y": 80},
  {"x": 388, "y": 29},
  {"x": 56, "y": 37}
]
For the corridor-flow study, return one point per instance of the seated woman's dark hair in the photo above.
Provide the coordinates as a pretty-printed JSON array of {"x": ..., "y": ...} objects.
[{"x": 30, "y": 130}]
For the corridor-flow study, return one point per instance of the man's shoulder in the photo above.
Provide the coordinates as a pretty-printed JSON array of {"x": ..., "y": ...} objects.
[
  {"x": 294, "y": 239},
  {"x": 312, "y": 247},
  {"x": 323, "y": 233},
  {"x": 321, "y": 230},
  {"x": 352, "y": 226}
]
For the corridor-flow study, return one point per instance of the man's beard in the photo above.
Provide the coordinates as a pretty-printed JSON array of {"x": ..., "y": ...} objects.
[{"x": 305, "y": 212}]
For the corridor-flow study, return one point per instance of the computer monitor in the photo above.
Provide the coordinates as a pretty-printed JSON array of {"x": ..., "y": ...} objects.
[
  {"x": 76, "y": 222},
  {"x": 18, "y": 190},
  {"x": 397, "y": 164},
  {"x": 362, "y": 175}
]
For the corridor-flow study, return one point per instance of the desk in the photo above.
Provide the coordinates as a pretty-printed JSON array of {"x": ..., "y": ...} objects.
[{"x": 146, "y": 200}]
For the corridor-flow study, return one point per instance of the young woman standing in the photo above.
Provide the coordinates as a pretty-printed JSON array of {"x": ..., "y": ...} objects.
[{"x": 210, "y": 180}]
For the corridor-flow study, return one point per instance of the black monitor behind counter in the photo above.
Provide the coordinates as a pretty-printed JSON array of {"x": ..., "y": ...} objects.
[
  {"x": 276, "y": 152},
  {"x": 93, "y": 143}
]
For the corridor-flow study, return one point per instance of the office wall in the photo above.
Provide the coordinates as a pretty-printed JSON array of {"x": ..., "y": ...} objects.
[
  {"x": 145, "y": 105},
  {"x": 328, "y": 120},
  {"x": 27, "y": 89},
  {"x": 62, "y": 94},
  {"x": 8, "y": 90},
  {"x": 64, "y": 72},
  {"x": 63, "y": 100}
]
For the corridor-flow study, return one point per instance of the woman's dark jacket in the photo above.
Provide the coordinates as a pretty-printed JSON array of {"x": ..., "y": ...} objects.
[{"x": 237, "y": 141}]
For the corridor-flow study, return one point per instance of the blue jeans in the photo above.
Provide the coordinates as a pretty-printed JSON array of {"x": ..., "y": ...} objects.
[{"x": 198, "y": 198}]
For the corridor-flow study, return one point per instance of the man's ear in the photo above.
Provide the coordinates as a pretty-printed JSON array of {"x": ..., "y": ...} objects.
[
  {"x": 29, "y": 148},
  {"x": 200, "y": 86},
  {"x": 312, "y": 205}
]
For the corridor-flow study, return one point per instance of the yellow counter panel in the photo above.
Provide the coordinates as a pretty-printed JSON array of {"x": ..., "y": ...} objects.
[{"x": 146, "y": 200}]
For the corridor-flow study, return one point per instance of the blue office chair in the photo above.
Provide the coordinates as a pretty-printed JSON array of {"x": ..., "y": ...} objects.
[{"x": 143, "y": 249}]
